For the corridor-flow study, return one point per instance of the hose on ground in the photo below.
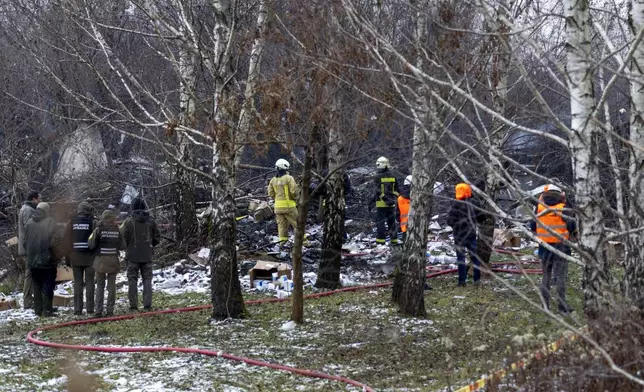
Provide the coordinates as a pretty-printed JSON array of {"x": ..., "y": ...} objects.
[{"x": 32, "y": 335}]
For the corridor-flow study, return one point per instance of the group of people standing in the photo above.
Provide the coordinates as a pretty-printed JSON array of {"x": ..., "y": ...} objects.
[
  {"x": 553, "y": 224},
  {"x": 91, "y": 247},
  {"x": 393, "y": 208}
]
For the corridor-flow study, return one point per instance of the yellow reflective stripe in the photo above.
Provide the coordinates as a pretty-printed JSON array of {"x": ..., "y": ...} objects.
[
  {"x": 387, "y": 179},
  {"x": 285, "y": 204},
  {"x": 286, "y": 196},
  {"x": 381, "y": 204}
]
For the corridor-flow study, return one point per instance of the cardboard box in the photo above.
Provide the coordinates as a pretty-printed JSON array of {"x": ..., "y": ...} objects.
[
  {"x": 64, "y": 274},
  {"x": 64, "y": 301},
  {"x": 8, "y": 303},
  {"x": 264, "y": 270},
  {"x": 504, "y": 238}
]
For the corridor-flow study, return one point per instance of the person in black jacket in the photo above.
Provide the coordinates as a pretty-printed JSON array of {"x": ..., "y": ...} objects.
[
  {"x": 463, "y": 218},
  {"x": 80, "y": 257},
  {"x": 38, "y": 242},
  {"x": 140, "y": 235}
]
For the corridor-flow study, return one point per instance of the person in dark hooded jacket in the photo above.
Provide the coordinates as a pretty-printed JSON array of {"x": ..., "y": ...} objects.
[
  {"x": 107, "y": 242},
  {"x": 81, "y": 257},
  {"x": 38, "y": 242},
  {"x": 554, "y": 226},
  {"x": 26, "y": 212},
  {"x": 140, "y": 235},
  {"x": 463, "y": 217}
]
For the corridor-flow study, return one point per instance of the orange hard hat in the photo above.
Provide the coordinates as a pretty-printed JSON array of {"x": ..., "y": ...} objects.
[{"x": 463, "y": 191}]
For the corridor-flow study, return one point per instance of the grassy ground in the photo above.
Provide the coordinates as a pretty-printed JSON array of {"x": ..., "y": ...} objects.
[{"x": 469, "y": 332}]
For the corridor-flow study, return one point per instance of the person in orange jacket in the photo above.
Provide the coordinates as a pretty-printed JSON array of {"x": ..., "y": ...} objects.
[{"x": 404, "y": 206}]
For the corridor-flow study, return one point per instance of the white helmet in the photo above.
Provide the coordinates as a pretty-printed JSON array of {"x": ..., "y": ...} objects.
[
  {"x": 407, "y": 180},
  {"x": 382, "y": 163},
  {"x": 551, "y": 187},
  {"x": 282, "y": 164}
]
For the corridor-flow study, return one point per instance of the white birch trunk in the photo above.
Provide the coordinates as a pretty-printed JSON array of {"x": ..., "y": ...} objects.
[
  {"x": 246, "y": 117},
  {"x": 619, "y": 190},
  {"x": 334, "y": 211},
  {"x": 634, "y": 282},
  {"x": 498, "y": 83},
  {"x": 185, "y": 211},
  {"x": 226, "y": 292},
  {"x": 583, "y": 148},
  {"x": 409, "y": 278}
]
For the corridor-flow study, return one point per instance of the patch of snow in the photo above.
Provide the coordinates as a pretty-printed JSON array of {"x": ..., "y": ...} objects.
[
  {"x": 288, "y": 326},
  {"x": 17, "y": 315}
]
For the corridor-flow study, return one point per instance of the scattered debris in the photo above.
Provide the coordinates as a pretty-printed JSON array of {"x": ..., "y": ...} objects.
[
  {"x": 506, "y": 238},
  {"x": 262, "y": 212},
  {"x": 269, "y": 271},
  {"x": 201, "y": 257}
]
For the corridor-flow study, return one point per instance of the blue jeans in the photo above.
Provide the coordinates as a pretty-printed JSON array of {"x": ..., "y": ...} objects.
[{"x": 461, "y": 250}]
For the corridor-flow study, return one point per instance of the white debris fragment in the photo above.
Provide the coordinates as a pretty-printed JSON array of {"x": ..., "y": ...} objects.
[
  {"x": 288, "y": 326},
  {"x": 204, "y": 253}
]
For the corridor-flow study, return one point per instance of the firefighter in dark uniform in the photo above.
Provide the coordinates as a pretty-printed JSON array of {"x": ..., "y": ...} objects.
[
  {"x": 385, "y": 196},
  {"x": 80, "y": 256}
]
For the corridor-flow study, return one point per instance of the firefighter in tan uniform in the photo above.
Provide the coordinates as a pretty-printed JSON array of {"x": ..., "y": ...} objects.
[{"x": 284, "y": 191}]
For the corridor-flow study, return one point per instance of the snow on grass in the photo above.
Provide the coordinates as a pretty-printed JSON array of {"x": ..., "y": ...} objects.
[{"x": 359, "y": 335}]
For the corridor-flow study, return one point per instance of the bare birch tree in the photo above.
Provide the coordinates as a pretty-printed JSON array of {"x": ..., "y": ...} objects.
[
  {"x": 409, "y": 277},
  {"x": 635, "y": 262},
  {"x": 583, "y": 146},
  {"x": 497, "y": 79},
  {"x": 185, "y": 211}
]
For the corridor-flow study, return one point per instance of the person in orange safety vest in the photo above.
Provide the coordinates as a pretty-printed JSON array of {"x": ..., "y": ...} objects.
[
  {"x": 554, "y": 226},
  {"x": 404, "y": 206}
]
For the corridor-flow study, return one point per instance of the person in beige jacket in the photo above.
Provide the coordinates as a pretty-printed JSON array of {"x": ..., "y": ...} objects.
[
  {"x": 106, "y": 241},
  {"x": 284, "y": 191}
]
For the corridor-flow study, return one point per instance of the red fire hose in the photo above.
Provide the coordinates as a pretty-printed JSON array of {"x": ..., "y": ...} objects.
[{"x": 303, "y": 372}]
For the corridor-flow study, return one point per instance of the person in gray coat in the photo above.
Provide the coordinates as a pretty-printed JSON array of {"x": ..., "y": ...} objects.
[
  {"x": 77, "y": 232},
  {"x": 26, "y": 213},
  {"x": 107, "y": 242},
  {"x": 141, "y": 235},
  {"x": 38, "y": 243}
]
